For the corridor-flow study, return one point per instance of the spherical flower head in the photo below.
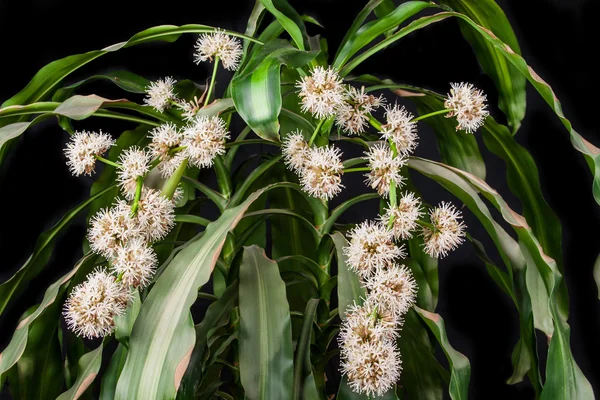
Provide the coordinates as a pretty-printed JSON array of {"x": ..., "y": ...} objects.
[
  {"x": 111, "y": 228},
  {"x": 372, "y": 368},
  {"x": 90, "y": 309},
  {"x": 468, "y": 105},
  {"x": 392, "y": 289},
  {"x": 135, "y": 163},
  {"x": 155, "y": 215},
  {"x": 82, "y": 149},
  {"x": 371, "y": 247},
  {"x": 295, "y": 151},
  {"x": 321, "y": 175},
  {"x": 367, "y": 323},
  {"x": 219, "y": 44},
  {"x": 160, "y": 94},
  {"x": 384, "y": 169},
  {"x": 204, "y": 139},
  {"x": 165, "y": 138},
  {"x": 135, "y": 263},
  {"x": 404, "y": 215},
  {"x": 353, "y": 114},
  {"x": 321, "y": 92},
  {"x": 448, "y": 230},
  {"x": 401, "y": 129}
]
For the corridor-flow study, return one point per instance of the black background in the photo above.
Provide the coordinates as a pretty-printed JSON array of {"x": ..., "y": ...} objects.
[{"x": 558, "y": 38}]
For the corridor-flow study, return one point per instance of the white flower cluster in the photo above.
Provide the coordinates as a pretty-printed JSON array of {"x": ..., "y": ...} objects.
[
  {"x": 384, "y": 169},
  {"x": 447, "y": 231},
  {"x": 468, "y": 105},
  {"x": 125, "y": 240},
  {"x": 82, "y": 150},
  {"x": 370, "y": 358},
  {"x": 352, "y": 115},
  {"x": 321, "y": 92},
  {"x": 320, "y": 168},
  {"x": 219, "y": 45}
]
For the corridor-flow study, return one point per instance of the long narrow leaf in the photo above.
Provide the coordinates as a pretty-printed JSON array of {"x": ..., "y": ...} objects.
[{"x": 266, "y": 355}]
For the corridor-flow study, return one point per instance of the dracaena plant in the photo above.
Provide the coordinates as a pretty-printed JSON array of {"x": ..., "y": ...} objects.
[{"x": 296, "y": 299}]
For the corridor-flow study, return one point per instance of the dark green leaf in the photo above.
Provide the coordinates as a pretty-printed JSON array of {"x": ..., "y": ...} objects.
[
  {"x": 266, "y": 354},
  {"x": 256, "y": 91}
]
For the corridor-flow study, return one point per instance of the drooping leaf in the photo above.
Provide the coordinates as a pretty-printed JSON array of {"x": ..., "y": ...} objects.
[
  {"x": 564, "y": 379},
  {"x": 508, "y": 80},
  {"x": 256, "y": 91},
  {"x": 47, "y": 78},
  {"x": 126, "y": 80},
  {"x": 460, "y": 368},
  {"x": 423, "y": 377},
  {"x": 266, "y": 354}
]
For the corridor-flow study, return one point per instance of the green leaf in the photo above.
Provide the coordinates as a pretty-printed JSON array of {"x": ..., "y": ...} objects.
[
  {"x": 460, "y": 368},
  {"x": 217, "y": 315},
  {"x": 508, "y": 80},
  {"x": 422, "y": 377},
  {"x": 19, "y": 341},
  {"x": 87, "y": 370},
  {"x": 256, "y": 91},
  {"x": 356, "y": 24},
  {"x": 265, "y": 339},
  {"x": 162, "y": 339},
  {"x": 350, "y": 289},
  {"x": 126, "y": 80},
  {"x": 38, "y": 374},
  {"x": 124, "y": 323},
  {"x": 370, "y": 31},
  {"x": 289, "y": 19},
  {"x": 523, "y": 179},
  {"x": 111, "y": 375},
  {"x": 304, "y": 382},
  {"x": 41, "y": 254}
]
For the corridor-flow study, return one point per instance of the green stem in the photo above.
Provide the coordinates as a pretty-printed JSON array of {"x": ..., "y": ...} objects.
[
  {"x": 170, "y": 185},
  {"x": 316, "y": 132},
  {"x": 358, "y": 169},
  {"x": 176, "y": 149},
  {"x": 374, "y": 123},
  {"x": 426, "y": 224},
  {"x": 212, "y": 82},
  {"x": 120, "y": 276},
  {"x": 251, "y": 141},
  {"x": 105, "y": 161},
  {"x": 138, "y": 195},
  {"x": 207, "y": 296},
  {"x": 421, "y": 117}
]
